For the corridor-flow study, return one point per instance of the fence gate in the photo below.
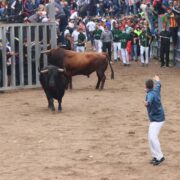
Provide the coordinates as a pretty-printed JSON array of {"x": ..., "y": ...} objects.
[{"x": 20, "y": 53}]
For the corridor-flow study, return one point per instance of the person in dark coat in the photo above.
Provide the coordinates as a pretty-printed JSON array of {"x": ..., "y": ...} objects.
[{"x": 164, "y": 46}]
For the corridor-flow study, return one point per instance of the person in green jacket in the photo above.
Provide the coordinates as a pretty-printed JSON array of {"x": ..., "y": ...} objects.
[
  {"x": 116, "y": 42},
  {"x": 124, "y": 40},
  {"x": 97, "y": 39},
  {"x": 145, "y": 38},
  {"x": 81, "y": 41}
]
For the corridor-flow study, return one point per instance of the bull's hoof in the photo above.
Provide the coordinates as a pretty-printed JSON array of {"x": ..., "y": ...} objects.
[
  {"x": 51, "y": 108},
  {"x": 59, "y": 109}
]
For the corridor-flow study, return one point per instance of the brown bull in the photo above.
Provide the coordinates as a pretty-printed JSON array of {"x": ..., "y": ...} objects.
[{"x": 81, "y": 64}]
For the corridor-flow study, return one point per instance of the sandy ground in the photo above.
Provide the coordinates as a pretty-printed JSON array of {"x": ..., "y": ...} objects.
[{"x": 99, "y": 135}]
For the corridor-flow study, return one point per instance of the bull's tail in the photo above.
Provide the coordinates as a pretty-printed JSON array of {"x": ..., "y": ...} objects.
[{"x": 112, "y": 71}]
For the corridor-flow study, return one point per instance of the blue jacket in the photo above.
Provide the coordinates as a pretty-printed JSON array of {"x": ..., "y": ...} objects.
[{"x": 154, "y": 106}]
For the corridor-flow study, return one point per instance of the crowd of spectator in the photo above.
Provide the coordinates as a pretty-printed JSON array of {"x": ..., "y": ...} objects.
[
  {"x": 123, "y": 28},
  {"x": 73, "y": 13}
]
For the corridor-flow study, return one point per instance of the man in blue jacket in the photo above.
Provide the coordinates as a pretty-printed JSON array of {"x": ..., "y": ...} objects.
[{"x": 156, "y": 117}]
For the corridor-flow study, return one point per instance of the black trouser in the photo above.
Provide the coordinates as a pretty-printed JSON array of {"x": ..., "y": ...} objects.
[
  {"x": 63, "y": 22},
  {"x": 174, "y": 33},
  {"x": 164, "y": 50},
  {"x": 107, "y": 46}
]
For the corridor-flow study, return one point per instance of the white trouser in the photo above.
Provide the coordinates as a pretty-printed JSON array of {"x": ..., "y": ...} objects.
[
  {"x": 146, "y": 50},
  {"x": 80, "y": 49},
  {"x": 155, "y": 147},
  {"x": 98, "y": 45},
  {"x": 117, "y": 49},
  {"x": 124, "y": 54}
]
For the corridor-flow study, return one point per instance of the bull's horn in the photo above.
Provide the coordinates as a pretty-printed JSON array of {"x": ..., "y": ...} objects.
[
  {"x": 44, "y": 71},
  {"x": 60, "y": 70},
  {"x": 46, "y": 51}
]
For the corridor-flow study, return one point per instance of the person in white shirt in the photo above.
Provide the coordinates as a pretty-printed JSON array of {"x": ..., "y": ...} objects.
[
  {"x": 75, "y": 34},
  {"x": 91, "y": 26},
  {"x": 74, "y": 15}
]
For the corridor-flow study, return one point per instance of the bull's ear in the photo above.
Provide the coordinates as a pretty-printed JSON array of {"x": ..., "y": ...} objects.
[
  {"x": 44, "y": 71},
  {"x": 60, "y": 70}
]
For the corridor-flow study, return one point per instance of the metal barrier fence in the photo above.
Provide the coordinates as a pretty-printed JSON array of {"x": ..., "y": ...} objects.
[
  {"x": 177, "y": 55},
  {"x": 24, "y": 43}
]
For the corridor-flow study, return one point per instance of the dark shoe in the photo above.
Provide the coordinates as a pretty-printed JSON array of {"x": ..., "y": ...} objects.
[
  {"x": 142, "y": 64},
  {"x": 152, "y": 160},
  {"x": 124, "y": 64},
  {"x": 158, "y": 162},
  {"x": 162, "y": 65}
]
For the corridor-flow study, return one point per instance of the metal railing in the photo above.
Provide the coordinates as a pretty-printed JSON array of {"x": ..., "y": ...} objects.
[
  {"x": 177, "y": 53},
  {"x": 25, "y": 42}
]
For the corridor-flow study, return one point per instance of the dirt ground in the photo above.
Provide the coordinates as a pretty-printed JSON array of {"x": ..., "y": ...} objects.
[{"x": 99, "y": 135}]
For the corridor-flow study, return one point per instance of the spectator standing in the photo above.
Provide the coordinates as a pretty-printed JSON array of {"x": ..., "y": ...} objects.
[
  {"x": 159, "y": 10},
  {"x": 107, "y": 38},
  {"x": 61, "y": 17},
  {"x": 124, "y": 40},
  {"x": 144, "y": 46},
  {"x": 74, "y": 35},
  {"x": 91, "y": 26},
  {"x": 135, "y": 44},
  {"x": 173, "y": 28},
  {"x": 164, "y": 46},
  {"x": 9, "y": 54},
  {"x": 150, "y": 16},
  {"x": 2, "y": 8},
  {"x": 30, "y": 7},
  {"x": 116, "y": 42},
  {"x": 18, "y": 11},
  {"x": 81, "y": 41},
  {"x": 40, "y": 15},
  {"x": 68, "y": 40},
  {"x": 97, "y": 39}
]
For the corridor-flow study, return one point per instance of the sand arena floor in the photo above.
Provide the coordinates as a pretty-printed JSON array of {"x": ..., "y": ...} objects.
[{"x": 99, "y": 135}]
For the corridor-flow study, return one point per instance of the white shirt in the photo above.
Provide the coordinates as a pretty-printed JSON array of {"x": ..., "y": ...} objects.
[
  {"x": 66, "y": 32},
  {"x": 74, "y": 15},
  {"x": 75, "y": 34},
  {"x": 91, "y": 26}
]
